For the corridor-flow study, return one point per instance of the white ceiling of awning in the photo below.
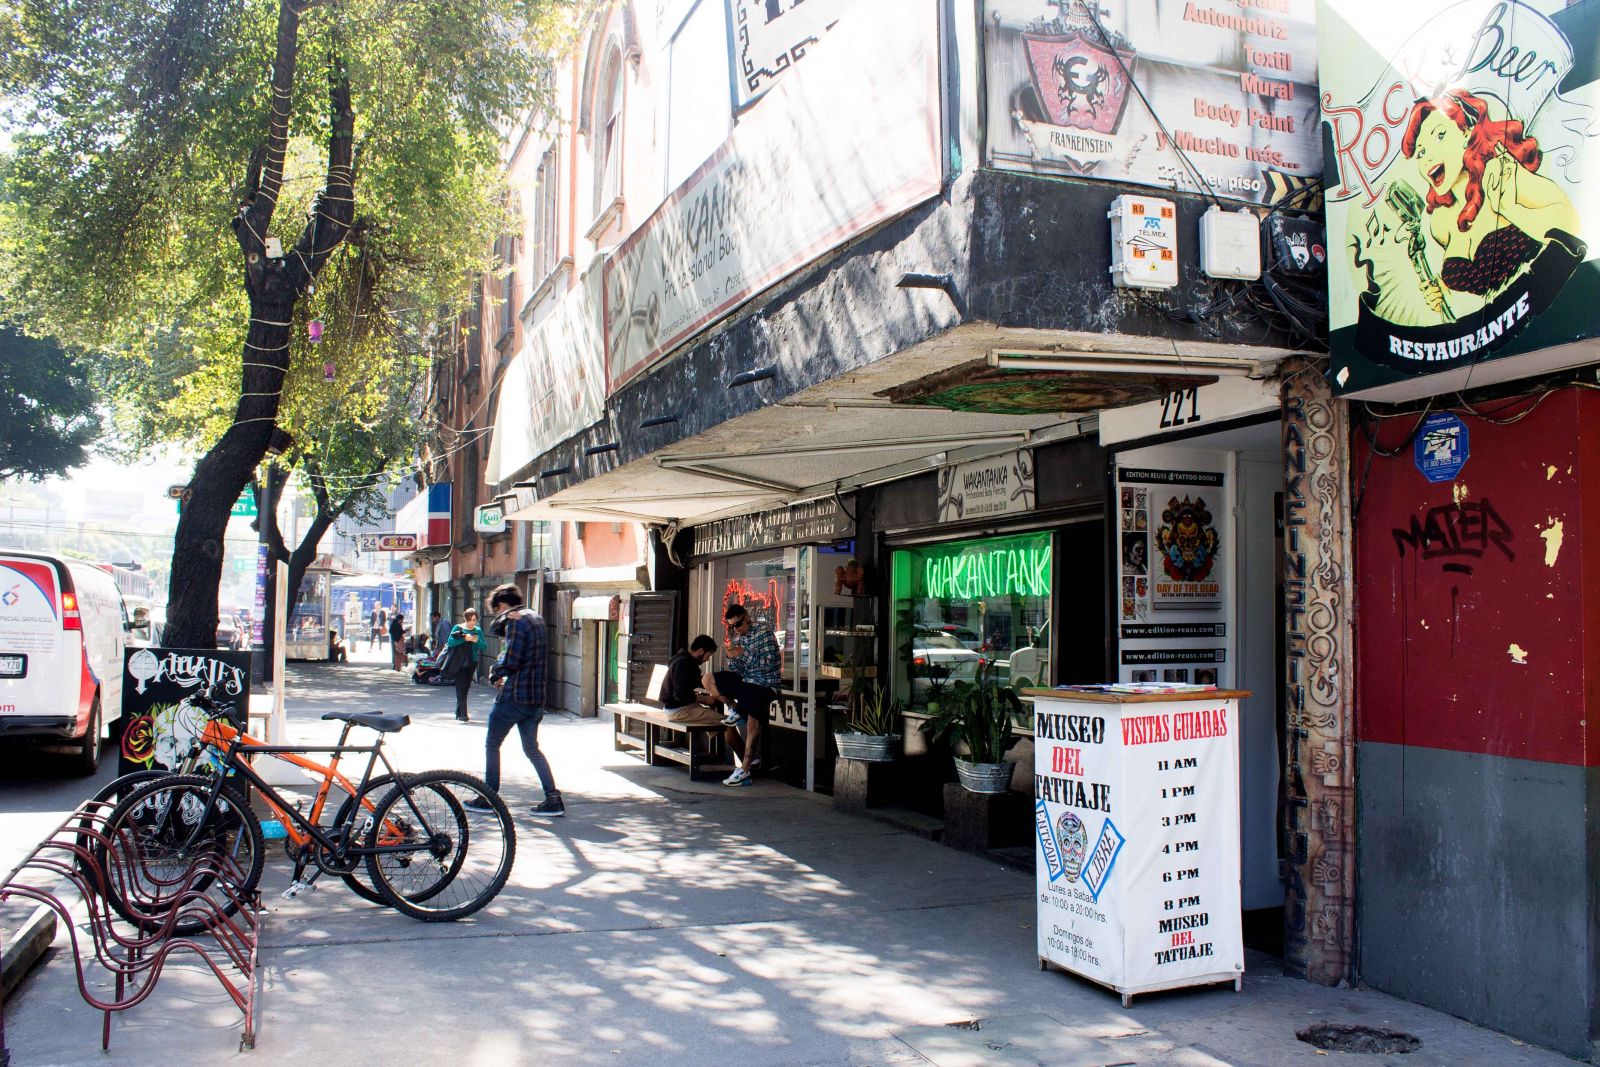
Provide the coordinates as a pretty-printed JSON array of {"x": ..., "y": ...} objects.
[{"x": 834, "y": 433}]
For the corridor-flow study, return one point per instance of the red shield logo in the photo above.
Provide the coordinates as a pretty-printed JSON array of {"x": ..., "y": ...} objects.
[{"x": 1079, "y": 81}]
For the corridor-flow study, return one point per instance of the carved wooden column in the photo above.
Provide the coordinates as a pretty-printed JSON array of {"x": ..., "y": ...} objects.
[{"x": 1319, "y": 777}]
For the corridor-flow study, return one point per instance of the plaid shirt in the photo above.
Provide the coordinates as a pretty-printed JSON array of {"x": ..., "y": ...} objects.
[
  {"x": 760, "y": 663},
  {"x": 521, "y": 661}
]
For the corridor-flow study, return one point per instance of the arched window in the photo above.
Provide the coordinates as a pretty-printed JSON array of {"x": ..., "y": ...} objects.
[{"x": 608, "y": 135}]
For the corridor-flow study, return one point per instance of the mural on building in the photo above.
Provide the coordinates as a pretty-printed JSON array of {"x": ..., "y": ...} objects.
[
  {"x": 1107, "y": 92},
  {"x": 1458, "y": 208}
]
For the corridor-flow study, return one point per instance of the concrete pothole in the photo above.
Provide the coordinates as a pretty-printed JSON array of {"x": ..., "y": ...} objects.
[{"x": 1337, "y": 1037}]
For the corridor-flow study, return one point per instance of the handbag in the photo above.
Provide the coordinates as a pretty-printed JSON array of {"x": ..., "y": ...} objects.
[{"x": 457, "y": 658}]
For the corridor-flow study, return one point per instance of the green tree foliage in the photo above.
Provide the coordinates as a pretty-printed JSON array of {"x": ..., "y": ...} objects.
[
  {"x": 47, "y": 413},
  {"x": 162, "y": 151}
]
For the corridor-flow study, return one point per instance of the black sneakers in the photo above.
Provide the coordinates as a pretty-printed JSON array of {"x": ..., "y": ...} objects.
[{"x": 553, "y": 807}]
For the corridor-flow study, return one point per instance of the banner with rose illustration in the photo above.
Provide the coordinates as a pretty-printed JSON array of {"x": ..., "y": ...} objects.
[{"x": 159, "y": 717}]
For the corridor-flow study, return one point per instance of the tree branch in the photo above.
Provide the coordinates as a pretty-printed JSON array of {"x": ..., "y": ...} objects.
[
  {"x": 334, "y": 212},
  {"x": 265, "y": 180}
]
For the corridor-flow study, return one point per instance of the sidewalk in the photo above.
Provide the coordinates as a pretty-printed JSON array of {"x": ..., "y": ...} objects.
[{"x": 667, "y": 923}]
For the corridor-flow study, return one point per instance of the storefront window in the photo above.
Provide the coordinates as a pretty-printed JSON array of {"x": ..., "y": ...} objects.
[
  {"x": 969, "y": 605},
  {"x": 765, "y": 583}
]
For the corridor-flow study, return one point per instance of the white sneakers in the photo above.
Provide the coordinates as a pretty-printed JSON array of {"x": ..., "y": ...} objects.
[{"x": 738, "y": 777}]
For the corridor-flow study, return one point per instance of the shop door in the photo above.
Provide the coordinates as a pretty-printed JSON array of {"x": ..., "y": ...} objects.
[{"x": 652, "y": 637}]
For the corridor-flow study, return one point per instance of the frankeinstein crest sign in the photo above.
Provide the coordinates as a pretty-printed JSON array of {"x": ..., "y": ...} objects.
[
  {"x": 1081, "y": 86},
  {"x": 1461, "y": 187}
]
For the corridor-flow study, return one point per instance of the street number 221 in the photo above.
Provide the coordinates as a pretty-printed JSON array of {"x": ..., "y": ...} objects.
[{"x": 1172, "y": 406}]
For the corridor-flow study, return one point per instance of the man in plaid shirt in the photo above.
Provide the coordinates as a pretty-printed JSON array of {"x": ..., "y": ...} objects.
[
  {"x": 519, "y": 675},
  {"x": 749, "y": 689}
]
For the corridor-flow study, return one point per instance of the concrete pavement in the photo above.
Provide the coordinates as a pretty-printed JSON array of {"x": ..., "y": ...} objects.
[{"x": 664, "y": 922}]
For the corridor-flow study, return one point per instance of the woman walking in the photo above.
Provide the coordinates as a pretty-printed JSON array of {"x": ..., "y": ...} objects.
[{"x": 465, "y": 635}]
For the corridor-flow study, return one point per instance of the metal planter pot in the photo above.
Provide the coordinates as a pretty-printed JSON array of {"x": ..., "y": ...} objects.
[
  {"x": 868, "y": 748},
  {"x": 985, "y": 777}
]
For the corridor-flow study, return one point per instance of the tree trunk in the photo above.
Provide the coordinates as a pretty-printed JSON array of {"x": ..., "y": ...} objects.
[
  {"x": 219, "y": 479},
  {"x": 275, "y": 285}
]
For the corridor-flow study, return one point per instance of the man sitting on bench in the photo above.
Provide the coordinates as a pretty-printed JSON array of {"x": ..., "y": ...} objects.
[{"x": 681, "y": 693}]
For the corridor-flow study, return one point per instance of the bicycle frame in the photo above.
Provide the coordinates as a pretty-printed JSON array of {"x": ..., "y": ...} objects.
[{"x": 303, "y": 830}]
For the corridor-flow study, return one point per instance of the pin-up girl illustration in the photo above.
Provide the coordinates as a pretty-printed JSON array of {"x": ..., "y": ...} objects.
[{"x": 1488, "y": 207}]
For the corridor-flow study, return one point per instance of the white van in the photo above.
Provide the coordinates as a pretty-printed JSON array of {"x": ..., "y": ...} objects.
[{"x": 63, "y": 627}]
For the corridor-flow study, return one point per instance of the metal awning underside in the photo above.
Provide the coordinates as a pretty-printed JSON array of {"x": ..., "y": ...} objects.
[{"x": 848, "y": 432}]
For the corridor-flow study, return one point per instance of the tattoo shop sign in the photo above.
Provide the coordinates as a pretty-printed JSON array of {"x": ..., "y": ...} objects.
[
  {"x": 770, "y": 37},
  {"x": 847, "y": 141},
  {"x": 999, "y": 485},
  {"x": 816, "y": 522},
  {"x": 159, "y": 718},
  {"x": 1460, "y": 189},
  {"x": 1234, "y": 83}
]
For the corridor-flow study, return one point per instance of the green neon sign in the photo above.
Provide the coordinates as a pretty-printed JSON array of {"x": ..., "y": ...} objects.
[
  {"x": 974, "y": 570},
  {"x": 1001, "y": 572}
]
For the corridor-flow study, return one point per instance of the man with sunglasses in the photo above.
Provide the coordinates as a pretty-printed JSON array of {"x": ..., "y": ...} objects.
[{"x": 748, "y": 690}]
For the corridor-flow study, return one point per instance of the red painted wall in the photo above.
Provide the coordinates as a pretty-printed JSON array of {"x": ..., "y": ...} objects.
[{"x": 1450, "y": 576}]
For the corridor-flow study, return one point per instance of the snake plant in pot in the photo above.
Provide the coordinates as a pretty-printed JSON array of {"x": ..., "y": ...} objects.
[
  {"x": 978, "y": 716},
  {"x": 870, "y": 734}
]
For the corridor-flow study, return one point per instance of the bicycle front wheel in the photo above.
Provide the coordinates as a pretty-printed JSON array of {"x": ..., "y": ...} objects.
[
  {"x": 441, "y": 846},
  {"x": 171, "y": 848}
]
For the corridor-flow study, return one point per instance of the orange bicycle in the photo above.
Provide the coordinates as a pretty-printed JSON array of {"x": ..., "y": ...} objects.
[{"x": 436, "y": 846}]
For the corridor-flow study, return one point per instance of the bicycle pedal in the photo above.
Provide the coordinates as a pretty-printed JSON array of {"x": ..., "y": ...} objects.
[{"x": 296, "y": 888}]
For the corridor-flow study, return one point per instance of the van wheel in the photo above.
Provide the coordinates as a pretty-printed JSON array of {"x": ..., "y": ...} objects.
[{"x": 87, "y": 759}]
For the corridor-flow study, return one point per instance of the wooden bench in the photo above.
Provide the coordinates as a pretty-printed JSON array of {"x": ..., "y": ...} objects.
[{"x": 701, "y": 746}]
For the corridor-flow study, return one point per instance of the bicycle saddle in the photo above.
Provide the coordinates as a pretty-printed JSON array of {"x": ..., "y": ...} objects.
[{"x": 384, "y": 724}]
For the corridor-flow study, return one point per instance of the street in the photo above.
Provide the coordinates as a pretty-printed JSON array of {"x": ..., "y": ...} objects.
[{"x": 664, "y": 922}]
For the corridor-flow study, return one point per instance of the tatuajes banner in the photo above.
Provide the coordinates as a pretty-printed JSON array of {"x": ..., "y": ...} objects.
[
  {"x": 1072, "y": 91},
  {"x": 1461, "y": 188},
  {"x": 159, "y": 717},
  {"x": 771, "y": 36}
]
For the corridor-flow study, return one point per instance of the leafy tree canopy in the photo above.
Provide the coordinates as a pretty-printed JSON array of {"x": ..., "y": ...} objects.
[
  {"x": 47, "y": 410},
  {"x": 132, "y": 123}
]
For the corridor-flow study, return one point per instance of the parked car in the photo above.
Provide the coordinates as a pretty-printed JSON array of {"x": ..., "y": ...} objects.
[
  {"x": 63, "y": 628},
  {"x": 231, "y": 631},
  {"x": 937, "y": 656}
]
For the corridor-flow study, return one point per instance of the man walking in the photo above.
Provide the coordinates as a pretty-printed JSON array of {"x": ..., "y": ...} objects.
[
  {"x": 375, "y": 632},
  {"x": 519, "y": 675}
]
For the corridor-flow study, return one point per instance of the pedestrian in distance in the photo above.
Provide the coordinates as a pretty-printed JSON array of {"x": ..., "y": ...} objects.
[
  {"x": 375, "y": 629},
  {"x": 748, "y": 690},
  {"x": 462, "y": 646},
  {"x": 397, "y": 640},
  {"x": 519, "y": 705},
  {"x": 439, "y": 629}
]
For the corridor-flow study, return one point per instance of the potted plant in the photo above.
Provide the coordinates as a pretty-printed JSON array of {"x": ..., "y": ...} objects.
[
  {"x": 978, "y": 718},
  {"x": 869, "y": 735}
]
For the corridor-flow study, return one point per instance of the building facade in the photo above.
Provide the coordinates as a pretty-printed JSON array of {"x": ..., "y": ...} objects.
[{"x": 987, "y": 340}]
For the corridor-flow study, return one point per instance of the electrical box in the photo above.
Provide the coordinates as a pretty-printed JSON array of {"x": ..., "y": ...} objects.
[
  {"x": 1144, "y": 242},
  {"x": 1230, "y": 244}
]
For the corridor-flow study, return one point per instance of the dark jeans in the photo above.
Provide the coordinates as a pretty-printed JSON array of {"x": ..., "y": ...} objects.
[
  {"x": 463, "y": 686},
  {"x": 752, "y": 700},
  {"x": 524, "y": 718}
]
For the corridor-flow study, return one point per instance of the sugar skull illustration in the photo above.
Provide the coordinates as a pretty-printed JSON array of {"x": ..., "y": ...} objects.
[
  {"x": 1187, "y": 539},
  {"x": 1074, "y": 841}
]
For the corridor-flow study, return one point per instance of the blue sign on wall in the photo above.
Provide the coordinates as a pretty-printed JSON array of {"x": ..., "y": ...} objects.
[{"x": 1442, "y": 447}]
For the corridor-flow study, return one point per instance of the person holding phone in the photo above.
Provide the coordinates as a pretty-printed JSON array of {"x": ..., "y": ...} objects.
[{"x": 465, "y": 633}]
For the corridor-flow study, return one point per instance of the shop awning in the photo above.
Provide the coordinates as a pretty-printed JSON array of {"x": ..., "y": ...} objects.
[{"x": 601, "y": 608}]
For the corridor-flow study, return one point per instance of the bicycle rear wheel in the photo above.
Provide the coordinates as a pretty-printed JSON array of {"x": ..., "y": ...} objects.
[
  {"x": 444, "y": 845},
  {"x": 361, "y": 825},
  {"x": 167, "y": 851}
]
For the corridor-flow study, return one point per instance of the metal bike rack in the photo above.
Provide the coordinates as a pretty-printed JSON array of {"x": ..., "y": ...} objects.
[{"x": 80, "y": 855}]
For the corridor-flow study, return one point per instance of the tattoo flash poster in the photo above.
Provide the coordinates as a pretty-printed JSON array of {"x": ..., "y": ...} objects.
[{"x": 1463, "y": 184}]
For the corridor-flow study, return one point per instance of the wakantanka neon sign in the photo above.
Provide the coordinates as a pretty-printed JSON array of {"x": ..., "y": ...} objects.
[{"x": 972, "y": 572}]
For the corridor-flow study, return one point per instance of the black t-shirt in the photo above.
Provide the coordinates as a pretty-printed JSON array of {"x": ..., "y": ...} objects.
[{"x": 683, "y": 678}]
